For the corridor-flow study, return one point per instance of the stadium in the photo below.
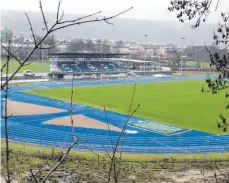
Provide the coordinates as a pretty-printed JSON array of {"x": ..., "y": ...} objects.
[{"x": 40, "y": 111}]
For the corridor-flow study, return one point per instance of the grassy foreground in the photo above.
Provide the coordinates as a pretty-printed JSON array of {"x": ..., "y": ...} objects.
[
  {"x": 87, "y": 167},
  {"x": 180, "y": 103},
  {"x": 34, "y": 66},
  {"x": 31, "y": 149}
]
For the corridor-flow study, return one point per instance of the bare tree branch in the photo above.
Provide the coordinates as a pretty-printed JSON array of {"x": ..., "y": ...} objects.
[
  {"x": 8, "y": 179},
  {"x": 216, "y": 179},
  {"x": 70, "y": 111},
  {"x": 34, "y": 177},
  {"x": 107, "y": 153},
  {"x": 75, "y": 141},
  {"x": 108, "y": 22},
  {"x": 40, "y": 169},
  {"x": 31, "y": 28},
  {"x": 227, "y": 177},
  {"x": 12, "y": 55},
  {"x": 62, "y": 16},
  {"x": 217, "y": 5},
  {"x": 90, "y": 21},
  {"x": 58, "y": 11},
  {"x": 61, "y": 160},
  {"x": 43, "y": 15},
  {"x": 50, "y": 47},
  {"x": 112, "y": 164},
  {"x": 26, "y": 41},
  {"x": 95, "y": 153},
  {"x": 23, "y": 62},
  {"x": 108, "y": 126},
  {"x": 87, "y": 16}
]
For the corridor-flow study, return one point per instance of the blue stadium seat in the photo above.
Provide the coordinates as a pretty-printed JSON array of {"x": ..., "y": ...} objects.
[{"x": 92, "y": 66}]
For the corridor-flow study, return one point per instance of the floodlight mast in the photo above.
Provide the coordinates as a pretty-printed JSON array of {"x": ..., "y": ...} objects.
[{"x": 145, "y": 56}]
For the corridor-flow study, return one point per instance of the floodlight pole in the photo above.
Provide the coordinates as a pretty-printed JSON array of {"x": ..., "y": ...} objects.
[
  {"x": 182, "y": 53},
  {"x": 42, "y": 59},
  {"x": 145, "y": 56}
]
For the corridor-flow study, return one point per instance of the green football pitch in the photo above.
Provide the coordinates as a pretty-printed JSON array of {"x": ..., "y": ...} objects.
[
  {"x": 178, "y": 103},
  {"x": 36, "y": 67}
]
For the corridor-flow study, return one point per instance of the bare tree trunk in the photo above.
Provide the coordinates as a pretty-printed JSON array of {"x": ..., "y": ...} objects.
[{"x": 6, "y": 89}]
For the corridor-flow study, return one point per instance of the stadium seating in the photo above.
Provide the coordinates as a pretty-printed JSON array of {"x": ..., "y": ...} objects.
[{"x": 93, "y": 66}]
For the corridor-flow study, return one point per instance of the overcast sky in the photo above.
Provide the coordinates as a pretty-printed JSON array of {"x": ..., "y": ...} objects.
[{"x": 143, "y": 9}]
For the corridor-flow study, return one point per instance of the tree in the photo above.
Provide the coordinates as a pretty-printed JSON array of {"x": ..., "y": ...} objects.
[
  {"x": 76, "y": 46},
  {"x": 119, "y": 44},
  {"x": 90, "y": 46},
  {"x": 199, "y": 10},
  {"x": 98, "y": 45},
  {"x": 176, "y": 60},
  {"x": 106, "y": 46},
  {"x": 51, "y": 42}
]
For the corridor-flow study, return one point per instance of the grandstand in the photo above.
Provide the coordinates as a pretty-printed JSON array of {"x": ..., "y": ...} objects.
[{"x": 85, "y": 65}]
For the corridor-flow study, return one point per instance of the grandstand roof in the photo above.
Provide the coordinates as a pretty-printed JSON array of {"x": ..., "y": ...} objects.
[
  {"x": 87, "y": 55},
  {"x": 135, "y": 61}
]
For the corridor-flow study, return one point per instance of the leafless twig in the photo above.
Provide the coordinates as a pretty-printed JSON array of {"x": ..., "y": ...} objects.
[
  {"x": 225, "y": 176},
  {"x": 43, "y": 15},
  {"x": 106, "y": 152},
  {"x": 34, "y": 177},
  {"x": 31, "y": 28},
  {"x": 60, "y": 162},
  {"x": 50, "y": 47},
  {"x": 216, "y": 179},
  {"x": 76, "y": 22},
  {"x": 75, "y": 140},
  {"x": 217, "y": 5},
  {"x": 8, "y": 176},
  {"x": 73, "y": 21},
  {"x": 70, "y": 111},
  {"x": 12, "y": 55},
  {"x": 108, "y": 126},
  {"x": 113, "y": 158}
]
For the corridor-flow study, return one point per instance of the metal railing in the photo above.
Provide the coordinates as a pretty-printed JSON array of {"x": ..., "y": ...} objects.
[{"x": 166, "y": 149}]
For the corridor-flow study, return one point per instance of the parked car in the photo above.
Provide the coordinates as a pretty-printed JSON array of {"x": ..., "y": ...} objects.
[{"x": 28, "y": 73}]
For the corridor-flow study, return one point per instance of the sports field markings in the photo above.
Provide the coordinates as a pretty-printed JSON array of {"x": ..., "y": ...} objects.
[
  {"x": 175, "y": 148},
  {"x": 157, "y": 127}
]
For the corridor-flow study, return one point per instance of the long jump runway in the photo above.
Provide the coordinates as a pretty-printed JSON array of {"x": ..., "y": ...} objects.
[{"x": 140, "y": 136}]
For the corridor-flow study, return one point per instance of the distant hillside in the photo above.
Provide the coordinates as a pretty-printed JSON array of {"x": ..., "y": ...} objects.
[{"x": 161, "y": 32}]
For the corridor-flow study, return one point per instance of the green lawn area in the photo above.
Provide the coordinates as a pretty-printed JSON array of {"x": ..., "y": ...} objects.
[
  {"x": 194, "y": 63},
  {"x": 180, "y": 103},
  {"x": 34, "y": 66}
]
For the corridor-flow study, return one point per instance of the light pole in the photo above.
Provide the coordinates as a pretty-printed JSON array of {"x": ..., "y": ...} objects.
[
  {"x": 182, "y": 53},
  {"x": 145, "y": 56},
  {"x": 42, "y": 63}
]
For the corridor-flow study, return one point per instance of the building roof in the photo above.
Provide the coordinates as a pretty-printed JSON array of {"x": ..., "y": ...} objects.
[
  {"x": 135, "y": 61},
  {"x": 87, "y": 55}
]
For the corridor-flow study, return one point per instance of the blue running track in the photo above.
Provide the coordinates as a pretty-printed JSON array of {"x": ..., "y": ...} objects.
[{"x": 31, "y": 128}]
